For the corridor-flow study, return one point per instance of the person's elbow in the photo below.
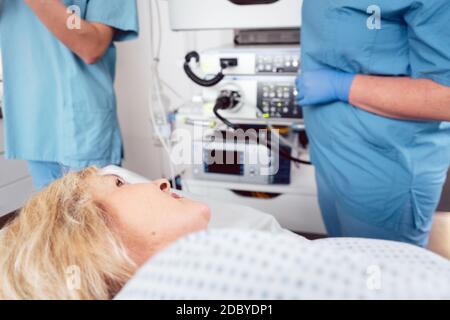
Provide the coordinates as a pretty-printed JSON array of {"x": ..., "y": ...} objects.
[
  {"x": 93, "y": 55},
  {"x": 90, "y": 60},
  {"x": 96, "y": 47}
]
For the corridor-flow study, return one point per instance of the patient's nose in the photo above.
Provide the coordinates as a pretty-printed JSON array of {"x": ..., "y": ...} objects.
[{"x": 163, "y": 185}]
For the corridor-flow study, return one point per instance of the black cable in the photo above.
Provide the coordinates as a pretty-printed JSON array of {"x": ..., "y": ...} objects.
[
  {"x": 223, "y": 102},
  {"x": 201, "y": 82},
  {"x": 224, "y": 120}
]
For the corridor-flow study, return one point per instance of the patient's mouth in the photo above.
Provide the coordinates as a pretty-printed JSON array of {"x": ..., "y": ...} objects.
[{"x": 176, "y": 196}]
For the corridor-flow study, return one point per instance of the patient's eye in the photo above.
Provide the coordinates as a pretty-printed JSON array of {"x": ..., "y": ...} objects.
[{"x": 119, "y": 182}]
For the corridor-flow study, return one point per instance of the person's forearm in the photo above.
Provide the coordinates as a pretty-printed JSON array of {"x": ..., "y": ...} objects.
[
  {"x": 89, "y": 42},
  {"x": 401, "y": 97}
]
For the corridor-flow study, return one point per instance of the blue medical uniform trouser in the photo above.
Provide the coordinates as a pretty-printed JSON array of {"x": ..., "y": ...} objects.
[
  {"x": 44, "y": 173},
  {"x": 339, "y": 223}
]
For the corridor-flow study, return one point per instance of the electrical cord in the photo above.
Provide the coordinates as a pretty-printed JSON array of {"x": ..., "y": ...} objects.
[
  {"x": 230, "y": 99},
  {"x": 285, "y": 141},
  {"x": 224, "y": 64},
  {"x": 202, "y": 82},
  {"x": 226, "y": 101},
  {"x": 155, "y": 87}
]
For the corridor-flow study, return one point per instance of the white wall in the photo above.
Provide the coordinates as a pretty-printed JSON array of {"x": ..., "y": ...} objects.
[{"x": 133, "y": 79}]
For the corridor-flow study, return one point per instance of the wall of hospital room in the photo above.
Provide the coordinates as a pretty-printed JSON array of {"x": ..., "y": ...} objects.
[{"x": 133, "y": 77}]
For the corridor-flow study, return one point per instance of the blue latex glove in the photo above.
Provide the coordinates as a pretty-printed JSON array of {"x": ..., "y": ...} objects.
[{"x": 323, "y": 86}]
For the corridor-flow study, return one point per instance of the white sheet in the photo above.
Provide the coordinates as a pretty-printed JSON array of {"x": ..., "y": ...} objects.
[{"x": 226, "y": 216}]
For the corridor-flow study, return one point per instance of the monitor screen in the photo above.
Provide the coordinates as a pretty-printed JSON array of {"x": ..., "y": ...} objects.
[
  {"x": 250, "y": 2},
  {"x": 224, "y": 162}
]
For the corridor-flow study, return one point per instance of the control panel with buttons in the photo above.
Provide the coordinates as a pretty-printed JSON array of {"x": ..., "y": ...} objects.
[
  {"x": 278, "y": 100},
  {"x": 277, "y": 62}
]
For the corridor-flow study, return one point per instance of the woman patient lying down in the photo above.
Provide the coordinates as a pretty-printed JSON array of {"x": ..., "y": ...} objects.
[
  {"x": 85, "y": 236},
  {"x": 99, "y": 225}
]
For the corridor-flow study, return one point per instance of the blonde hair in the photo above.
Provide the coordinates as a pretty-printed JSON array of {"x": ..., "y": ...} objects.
[{"x": 62, "y": 246}]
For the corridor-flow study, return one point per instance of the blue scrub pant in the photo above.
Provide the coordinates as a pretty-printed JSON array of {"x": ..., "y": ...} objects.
[
  {"x": 44, "y": 173},
  {"x": 339, "y": 223}
]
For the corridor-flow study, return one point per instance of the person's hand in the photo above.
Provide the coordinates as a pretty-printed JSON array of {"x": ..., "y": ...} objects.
[{"x": 323, "y": 86}]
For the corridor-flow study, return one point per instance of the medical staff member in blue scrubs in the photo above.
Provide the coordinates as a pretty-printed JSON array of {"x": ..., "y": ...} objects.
[
  {"x": 59, "y": 67},
  {"x": 375, "y": 88}
]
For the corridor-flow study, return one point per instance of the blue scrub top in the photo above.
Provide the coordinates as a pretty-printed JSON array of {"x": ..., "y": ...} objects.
[
  {"x": 57, "y": 108},
  {"x": 377, "y": 169}
]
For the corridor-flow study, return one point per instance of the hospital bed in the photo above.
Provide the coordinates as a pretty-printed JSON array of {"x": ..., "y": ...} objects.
[{"x": 256, "y": 265}]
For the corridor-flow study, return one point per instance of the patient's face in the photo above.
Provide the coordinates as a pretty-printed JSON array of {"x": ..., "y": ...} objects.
[{"x": 148, "y": 216}]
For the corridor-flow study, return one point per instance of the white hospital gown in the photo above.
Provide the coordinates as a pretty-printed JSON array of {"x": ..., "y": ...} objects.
[{"x": 238, "y": 264}]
